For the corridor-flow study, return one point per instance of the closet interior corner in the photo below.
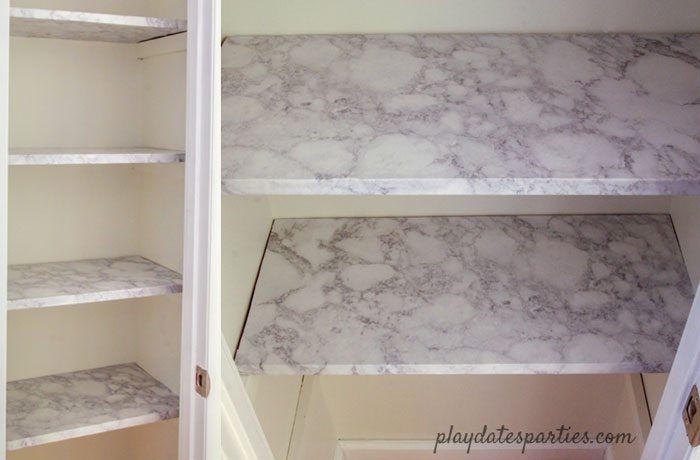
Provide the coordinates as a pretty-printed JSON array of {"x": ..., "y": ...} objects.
[{"x": 95, "y": 228}]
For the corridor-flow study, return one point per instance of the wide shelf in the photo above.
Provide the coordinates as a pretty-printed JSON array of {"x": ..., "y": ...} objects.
[
  {"x": 76, "y": 25},
  {"x": 458, "y": 295},
  {"x": 461, "y": 114},
  {"x": 65, "y": 406},
  {"x": 65, "y": 156},
  {"x": 82, "y": 281}
]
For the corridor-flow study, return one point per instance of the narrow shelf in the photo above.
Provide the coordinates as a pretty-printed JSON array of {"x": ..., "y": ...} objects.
[
  {"x": 65, "y": 406},
  {"x": 83, "y": 281},
  {"x": 461, "y": 114},
  {"x": 62, "y": 156},
  {"x": 448, "y": 295},
  {"x": 75, "y": 25}
]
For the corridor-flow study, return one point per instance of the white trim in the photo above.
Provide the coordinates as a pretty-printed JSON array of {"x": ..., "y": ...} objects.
[
  {"x": 346, "y": 445},
  {"x": 200, "y": 418},
  {"x": 4, "y": 122},
  {"x": 609, "y": 454},
  {"x": 242, "y": 437},
  {"x": 667, "y": 438}
]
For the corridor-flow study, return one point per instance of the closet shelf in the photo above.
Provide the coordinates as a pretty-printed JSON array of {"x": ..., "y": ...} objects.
[
  {"x": 63, "y": 156},
  {"x": 448, "y": 295},
  {"x": 65, "y": 406},
  {"x": 84, "y": 281},
  {"x": 75, "y": 25},
  {"x": 461, "y": 114}
]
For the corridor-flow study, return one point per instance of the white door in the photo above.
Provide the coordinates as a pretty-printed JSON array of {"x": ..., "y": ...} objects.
[
  {"x": 668, "y": 439},
  {"x": 200, "y": 406}
]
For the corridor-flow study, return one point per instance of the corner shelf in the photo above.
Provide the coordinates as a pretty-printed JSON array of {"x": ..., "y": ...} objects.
[
  {"x": 84, "y": 281},
  {"x": 461, "y": 114},
  {"x": 480, "y": 295},
  {"x": 75, "y": 25},
  {"x": 64, "y": 156},
  {"x": 65, "y": 406}
]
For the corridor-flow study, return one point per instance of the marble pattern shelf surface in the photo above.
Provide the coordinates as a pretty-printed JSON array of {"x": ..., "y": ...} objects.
[
  {"x": 443, "y": 295},
  {"x": 64, "y": 156},
  {"x": 76, "y": 25},
  {"x": 83, "y": 281},
  {"x": 64, "y": 406},
  {"x": 461, "y": 114}
]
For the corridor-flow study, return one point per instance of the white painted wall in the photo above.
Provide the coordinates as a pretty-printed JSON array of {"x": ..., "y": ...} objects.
[
  {"x": 257, "y": 17},
  {"x": 418, "y": 407},
  {"x": 147, "y": 442},
  {"x": 160, "y": 8}
]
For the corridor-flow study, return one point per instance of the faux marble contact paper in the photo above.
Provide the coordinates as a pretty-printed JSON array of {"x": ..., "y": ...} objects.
[
  {"x": 445, "y": 295},
  {"x": 77, "y": 25},
  {"x": 64, "y": 406},
  {"x": 83, "y": 281},
  {"x": 461, "y": 114},
  {"x": 63, "y": 156}
]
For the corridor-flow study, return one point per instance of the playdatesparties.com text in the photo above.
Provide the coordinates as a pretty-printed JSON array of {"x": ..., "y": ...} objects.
[{"x": 506, "y": 436}]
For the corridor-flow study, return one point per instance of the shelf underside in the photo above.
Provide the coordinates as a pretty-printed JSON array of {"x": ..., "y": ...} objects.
[
  {"x": 65, "y": 406},
  {"x": 75, "y": 25},
  {"x": 84, "y": 281},
  {"x": 446, "y": 295},
  {"x": 461, "y": 114},
  {"x": 63, "y": 156}
]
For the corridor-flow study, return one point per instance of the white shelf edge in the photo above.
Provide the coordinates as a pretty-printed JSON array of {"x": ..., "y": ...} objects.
[
  {"x": 86, "y": 156},
  {"x": 77, "y": 25}
]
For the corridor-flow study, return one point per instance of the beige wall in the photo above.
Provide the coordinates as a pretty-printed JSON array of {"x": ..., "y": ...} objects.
[
  {"x": 161, "y": 8},
  {"x": 147, "y": 442},
  {"x": 419, "y": 407},
  {"x": 66, "y": 93},
  {"x": 251, "y": 17}
]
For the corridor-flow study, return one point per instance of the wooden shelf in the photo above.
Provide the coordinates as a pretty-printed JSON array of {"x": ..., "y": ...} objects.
[
  {"x": 84, "y": 281},
  {"x": 65, "y": 406},
  {"x": 47, "y": 156},
  {"x": 75, "y": 25},
  {"x": 468, "y": 295},
  {"x": 461, "y": 114}
]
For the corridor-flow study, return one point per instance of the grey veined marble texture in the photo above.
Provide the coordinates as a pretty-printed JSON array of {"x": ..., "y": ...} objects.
[
  {"x": 77, "y": 25},
  {"x": 443, "y": 295},
  {"x": 83, "y": 281},
  {"x": 461, "y": 114},
  {"x": 64, "y": 406},
  {"x": 85, "y": 156}
]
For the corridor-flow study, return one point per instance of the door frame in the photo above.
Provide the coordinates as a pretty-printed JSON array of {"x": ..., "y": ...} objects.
[
  {"x": 200, "y": 417},
  {"x": 4, "y": 191},
  {"x": 667, "y": 438}
]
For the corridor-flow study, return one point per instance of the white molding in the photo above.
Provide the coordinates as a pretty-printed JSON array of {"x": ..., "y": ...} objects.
[
  {"x": 200, "y": 418},
  {"x": 242, "y": 437},
  {"x": 347, "y": 445},
  {"x": 609, "y": 454},
  {"x": 4, "y": 121},
  {"x": 667, "y": 438}
]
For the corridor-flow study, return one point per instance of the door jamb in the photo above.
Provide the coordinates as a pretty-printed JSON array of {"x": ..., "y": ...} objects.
[
  {"x": 200, "y": 417},
  {"x": 667, "y": 433}
]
